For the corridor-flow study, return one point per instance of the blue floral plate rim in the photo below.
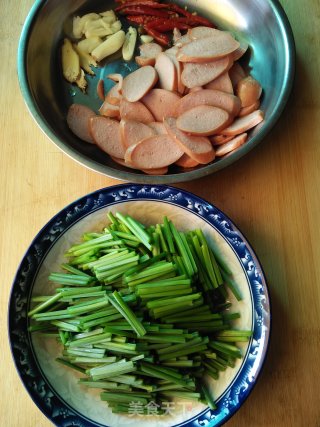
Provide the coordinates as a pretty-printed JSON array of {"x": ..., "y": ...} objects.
[{"x": 53, "y": 407}]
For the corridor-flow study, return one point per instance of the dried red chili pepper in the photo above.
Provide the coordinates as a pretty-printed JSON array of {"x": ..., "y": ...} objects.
[
  {"x": 160, "y": 38},
  {"x": 149, "y": 3},
  {"x": 169, "y": 24},
  {"x": 140, "y": 19},
  {"x": 144, "y": 10},
  {"x": 197, "y": 19}
]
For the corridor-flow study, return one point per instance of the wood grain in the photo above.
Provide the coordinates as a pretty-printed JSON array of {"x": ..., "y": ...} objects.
[{"x": 273, "y": 195}]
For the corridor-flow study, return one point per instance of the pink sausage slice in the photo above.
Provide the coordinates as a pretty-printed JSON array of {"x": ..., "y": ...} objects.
[
  {"x": 199, "y": 74},
  {"x": 150, "y": 50},
  {"x": 159, "y": 171},
  {"x": 78, "y": 117},
  {"x": 158, "y": 127},
  {"x": 247, "y": 110},
  {"x": 203, "y": 120},
  {"x": 135, "y": 111},
  {"x": 132, "y": 132},
  {"x": 220, "y": 139},
  {"x": 234, "y": 143},
  {"x": 208, "y": 48},
  {"x": 248, "y": 90},
  {"x": 186, "y": 162},
  {"x": 114, "y": 95},
  {"x": 237, "y": 54},
  {"x": 167, "y": 72},
  {"x": 242, "y": 124},
  {"x": 155, "y": 152},
  {"x": 202, "y": 32},
  {"x": 197, "y": 147},
  {"x": 106, "y": 134},
  {"x": 109, "y": 110},
  {"x": 215, "y": 98},
  {"x": 100, "y": 89},
  {"x": 195, "y": 89},
  {"x": 172, "y": 52},
  {"x": 137, "y": 84},
  {"x": 222, "y": 83},
  {"x": 161, "y": 103},
  {"x": 236, "y": 73}
]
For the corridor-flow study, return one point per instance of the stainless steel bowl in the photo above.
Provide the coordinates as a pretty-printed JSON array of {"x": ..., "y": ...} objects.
[{"x": 271, "y": 60}]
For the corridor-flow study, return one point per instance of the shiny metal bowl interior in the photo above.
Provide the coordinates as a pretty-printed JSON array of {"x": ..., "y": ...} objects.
[{"x": 271, "y": 59}]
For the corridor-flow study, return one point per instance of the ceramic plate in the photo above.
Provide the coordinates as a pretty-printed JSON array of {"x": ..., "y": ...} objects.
[{"x": 54, "y": 388}]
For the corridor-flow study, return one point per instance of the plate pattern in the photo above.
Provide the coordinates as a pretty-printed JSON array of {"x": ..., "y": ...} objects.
[{"x": 40, "y": 391}]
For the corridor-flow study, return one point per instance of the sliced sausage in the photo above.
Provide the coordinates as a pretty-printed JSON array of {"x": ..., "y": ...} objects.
[
  {"x": 222, "y": 83},
  {"x": 143, "y": 61},
  {"x": 236, "y": 73},
  {"x": 154, "y": 152},
  {"x": 158, "y": 127},
  {"x": 100, "y": 89},
  {"x": 135, "y": 111},
  {"x": 197, "y": 147},
  {"x": 215, "y": 98},
  {"x": 114, "y": 95},
  {"x": 248, "y": 90},
  {"x": 186, "y": 162},
  {"x": 78, "y": 117},
  {"x": 150, "y": 50},
  {"x": 237, "y": 54},
  {"x": 234, "y": 143},
  {"x": 106, "y": 134},
  {"x": 202, "y": 32},
  {"x": 182, "y": 40},
  {"x": 148, "y": 54},
  {"x": 137, "y": 84},
  {"x": 247, "y": 110},
  {"x": 132, "y": 132},
  {"x": 199, "y": 74},
  {"x": 167, "y": 72},
  {"x": 220, "y": 139},
  {"x": 161, "y": 103},
  {"x": 242, "y": 124},
  {"x": 203, "y": 120},
  {"x": 159, "y": 171},
  {"x": 109, "y": 110},
  {"x": 118, "y": 78},
  {"x": 195, "y": 89},
  {"x": 172, "y": 52},
  {"x": 208, "y": 48}
]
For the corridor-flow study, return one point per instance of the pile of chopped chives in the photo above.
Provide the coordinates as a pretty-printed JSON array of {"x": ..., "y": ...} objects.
[{"x": 141, "y": 312}]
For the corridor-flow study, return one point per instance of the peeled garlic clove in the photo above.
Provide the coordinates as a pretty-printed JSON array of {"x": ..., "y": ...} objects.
[
  {"x": 116, "y": 26},
  {"x": 97, "y": 28},
  {"x": 70, "y": 62},
  {"x": 109, "y": 16},
  {"x": 146, "y": 39},
  {"x": 85, "y": 60},
  {"x": 87, "y": 45},
  {"x": 129, "y": 44},
  {"x": 77, "y": 27},
  {"x": 109, "y": 46},
  {"x": 80, "y": 23}
]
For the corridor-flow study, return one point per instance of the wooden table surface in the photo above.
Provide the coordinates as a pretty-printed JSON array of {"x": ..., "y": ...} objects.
[{"x": 273, "y": 195}]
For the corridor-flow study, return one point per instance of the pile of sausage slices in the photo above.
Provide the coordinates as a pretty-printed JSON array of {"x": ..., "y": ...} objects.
[{"x": 184, "y": 106}]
